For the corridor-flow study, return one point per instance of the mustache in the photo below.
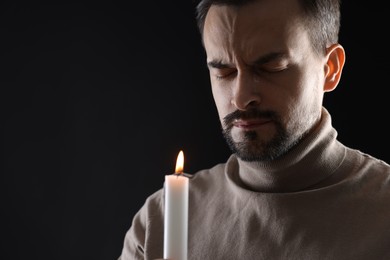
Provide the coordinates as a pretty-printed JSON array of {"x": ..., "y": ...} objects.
[{"x": 248, "y": 114}]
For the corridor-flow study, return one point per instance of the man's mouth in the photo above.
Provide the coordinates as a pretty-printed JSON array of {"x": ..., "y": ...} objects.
[
  {"x": 249, "y": 120},
  {"x": 250, "y": 124}
]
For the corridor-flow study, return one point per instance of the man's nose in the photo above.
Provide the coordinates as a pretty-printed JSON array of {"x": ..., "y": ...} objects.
[{"x": 245, "y": 92}]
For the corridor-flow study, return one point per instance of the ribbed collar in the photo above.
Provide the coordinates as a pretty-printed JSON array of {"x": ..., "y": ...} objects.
[{"x": 314, "y": 159}]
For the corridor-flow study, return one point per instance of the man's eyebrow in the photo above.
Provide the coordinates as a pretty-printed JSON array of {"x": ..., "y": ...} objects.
[{"x": 217, "y": 64}]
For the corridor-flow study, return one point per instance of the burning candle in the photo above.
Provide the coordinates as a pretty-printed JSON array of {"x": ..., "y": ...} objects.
[{"x": 176, "y": 213}]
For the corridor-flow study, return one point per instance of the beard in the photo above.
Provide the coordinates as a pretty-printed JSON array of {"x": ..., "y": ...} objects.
[{"x": 254, "y": 147}]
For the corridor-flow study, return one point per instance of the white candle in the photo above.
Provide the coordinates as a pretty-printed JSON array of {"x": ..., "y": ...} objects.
[{"x": 176, "y": 213}]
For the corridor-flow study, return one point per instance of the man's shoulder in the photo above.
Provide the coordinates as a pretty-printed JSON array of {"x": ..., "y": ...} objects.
[
  {"x": 371, "y": 161},
  {"x": 368, "y": 168}
]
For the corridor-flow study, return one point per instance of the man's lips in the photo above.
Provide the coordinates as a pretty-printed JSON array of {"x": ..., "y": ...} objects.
[{"x": 249, "y": 124}]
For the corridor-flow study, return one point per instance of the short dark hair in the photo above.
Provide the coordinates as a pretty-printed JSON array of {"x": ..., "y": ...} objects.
[{"x": 322, "y": 18}]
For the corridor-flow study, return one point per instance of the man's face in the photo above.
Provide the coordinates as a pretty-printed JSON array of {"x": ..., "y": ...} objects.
[{"x": 267, "y": 80}]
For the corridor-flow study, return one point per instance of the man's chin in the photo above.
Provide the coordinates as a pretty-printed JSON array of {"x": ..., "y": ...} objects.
[{"x": 248, "y": 157}]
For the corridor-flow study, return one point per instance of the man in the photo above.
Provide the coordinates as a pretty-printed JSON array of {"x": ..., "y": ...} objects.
[{"x": 290, "y": 190}]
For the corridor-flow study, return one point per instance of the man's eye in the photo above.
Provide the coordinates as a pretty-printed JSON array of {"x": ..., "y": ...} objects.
[
  {"x": 273, "y": 67},
  {"x": 224, "y": 74}
]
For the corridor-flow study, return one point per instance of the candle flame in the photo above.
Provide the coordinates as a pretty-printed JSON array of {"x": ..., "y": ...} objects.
[{"x": 180, "y": 163}]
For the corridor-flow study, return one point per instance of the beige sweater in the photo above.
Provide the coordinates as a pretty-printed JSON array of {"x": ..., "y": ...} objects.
[{"x": 321, "y": 201}]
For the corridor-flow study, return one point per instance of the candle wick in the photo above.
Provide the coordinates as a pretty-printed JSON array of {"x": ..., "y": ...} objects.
[{"x": 177, "y": 174}]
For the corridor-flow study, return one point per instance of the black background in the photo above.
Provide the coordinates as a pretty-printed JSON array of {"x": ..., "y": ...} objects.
[{"x": 98, "y": 99}]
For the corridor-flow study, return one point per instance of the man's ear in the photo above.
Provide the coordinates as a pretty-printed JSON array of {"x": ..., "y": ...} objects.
[{"x": 334, "y": 66}]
